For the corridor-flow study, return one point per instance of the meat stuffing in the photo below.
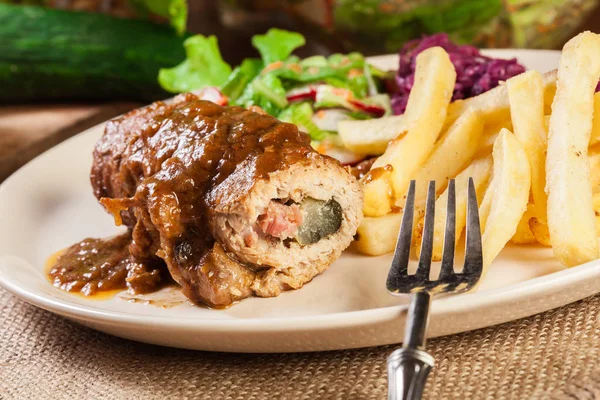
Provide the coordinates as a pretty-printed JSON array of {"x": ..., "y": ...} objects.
[{"x": 280, "y": 221}]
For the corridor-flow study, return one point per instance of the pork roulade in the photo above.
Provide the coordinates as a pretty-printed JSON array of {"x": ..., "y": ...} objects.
[{"x": 235, "y": 202}]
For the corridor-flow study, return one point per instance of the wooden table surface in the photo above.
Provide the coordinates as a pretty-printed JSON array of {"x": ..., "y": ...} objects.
[{"x": 27, "y": 131}]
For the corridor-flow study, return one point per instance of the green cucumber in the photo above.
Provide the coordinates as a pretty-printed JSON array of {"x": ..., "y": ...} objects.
[{"x": 49, "y": 55}]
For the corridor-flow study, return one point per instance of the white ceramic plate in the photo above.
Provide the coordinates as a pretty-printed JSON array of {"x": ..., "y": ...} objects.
[{"x": 48, "y": 205}]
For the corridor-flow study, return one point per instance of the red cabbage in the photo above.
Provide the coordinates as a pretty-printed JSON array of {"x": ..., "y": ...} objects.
[{"x": 475, "y": 73}]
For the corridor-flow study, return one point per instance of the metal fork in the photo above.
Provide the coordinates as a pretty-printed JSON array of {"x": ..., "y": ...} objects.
[{"x": 409, "y": 366}]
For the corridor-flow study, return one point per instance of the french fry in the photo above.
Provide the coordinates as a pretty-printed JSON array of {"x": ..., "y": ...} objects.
[
  {"x": 490, "y": 133},
  {"x": 595, "y": 134},
  {"x": 594, "y": 159},
  {"x": 524, "y": 235},
  {"x": 526, "y": 97},
  {"x": 508, "y": 195},
  {"x": 378, "y": 191},
  {"x": 425, "y": 115},
  {"x": 549, "y": 90},
  {"x": 377, "y": 236},
  {"x": 540, "y": 231},
  {"x": 485, "y": 205},
  {"x": 480, "y": 171},
  {"x": 596, "y": 203},
  {"x": 451, "y": 153},
  {"x": 570, "y": 211},
  {"x": 371, "y": 137}
]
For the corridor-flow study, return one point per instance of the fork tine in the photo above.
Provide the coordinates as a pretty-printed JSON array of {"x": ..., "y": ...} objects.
[
  {"x": 450, "y": 235},
  {"x": 427, "y": 242},
  {"x": 399, "y": 268},
  {"x": 473, "y": 250}
]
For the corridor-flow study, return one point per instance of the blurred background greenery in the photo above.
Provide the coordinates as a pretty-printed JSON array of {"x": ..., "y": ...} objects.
[
  {"x": 112, "y": 49},
  {"x": 369, "y": 26}
]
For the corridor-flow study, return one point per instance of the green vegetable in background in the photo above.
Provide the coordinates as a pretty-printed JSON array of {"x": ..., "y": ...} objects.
[
  {"x": 269, "y": 86},
  {"x": 280, "y": 83},
  {"x": 50, "y": 55},
  {"x": 176, "y": 11},
  {"x": 301, "y": 115},
  {"x": 241, "y": 77},
  {"x": 203, "y": 67},
  {"x": 277, "y": 44}
]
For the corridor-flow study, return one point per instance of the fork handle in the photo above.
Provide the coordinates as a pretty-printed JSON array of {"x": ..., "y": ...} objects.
[
  {"x": 407, "y": 372},
  {"x": 409, "y": 366}
]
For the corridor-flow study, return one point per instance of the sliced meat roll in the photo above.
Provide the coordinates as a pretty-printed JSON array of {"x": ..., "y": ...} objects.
[
  {"x": 297, "y": 220},
  {"x": 235, "y": 202}
]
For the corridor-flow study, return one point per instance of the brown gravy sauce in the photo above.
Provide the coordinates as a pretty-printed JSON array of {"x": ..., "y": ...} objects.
[
  {"x": 168, "y": 296},
  {"x": 99, "y": 295},
  {"x": 95, "y": 267}
]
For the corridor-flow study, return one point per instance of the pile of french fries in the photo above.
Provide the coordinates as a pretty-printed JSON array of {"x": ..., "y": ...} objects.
[{"x": 532, "y": 146}]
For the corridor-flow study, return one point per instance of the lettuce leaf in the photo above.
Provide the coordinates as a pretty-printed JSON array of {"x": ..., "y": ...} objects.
[
  {"x": 175, "y": 10},
  {"x": 241, "y": 77},
  {"x": 270, "y": 87},
  {"x": 203, "y": 67},
  {"x": 277, "y": 44}
]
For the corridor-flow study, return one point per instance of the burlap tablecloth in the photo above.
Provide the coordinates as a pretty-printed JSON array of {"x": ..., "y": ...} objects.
[{"x": 551, "y": 355}]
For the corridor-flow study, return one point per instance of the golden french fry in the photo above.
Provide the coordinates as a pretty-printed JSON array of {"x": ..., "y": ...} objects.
[
  {"x": 490, "y": 133},
  {"x": 480, "y": 171},
  {"x": 377, "y": 236},
  {"x": 508, "y": 195},
  {"x": 549, "y": 90},
  {"x": 484, "y": 207},
  {"x": 425, "y": 115},
  {"x": 526, "y": 97},
  {"x": 595, "y": 134},
  {"x": 570, "y": 212},
  {"x": 378, "y": 192},
  {"x": 540, "y": 231},
  {"x": 451, "y": 153},
  {"x": 371, "y": 136},
  {"x": 523, "y": 235},
  {"x": 596, "y": 202}
]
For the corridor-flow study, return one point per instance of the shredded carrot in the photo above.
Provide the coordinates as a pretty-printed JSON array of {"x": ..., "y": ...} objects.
[
  {"x": 354, "y": 72},
  {"x": 346, "y": 94},
  {"x": 273, "y": 66}
]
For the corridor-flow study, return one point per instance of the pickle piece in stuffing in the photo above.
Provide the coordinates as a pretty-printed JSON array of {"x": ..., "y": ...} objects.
[{"x": 321, "y": 219}]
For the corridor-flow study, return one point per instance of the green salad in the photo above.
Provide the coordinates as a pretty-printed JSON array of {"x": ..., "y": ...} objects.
[{"x": 314, "y": 93}]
